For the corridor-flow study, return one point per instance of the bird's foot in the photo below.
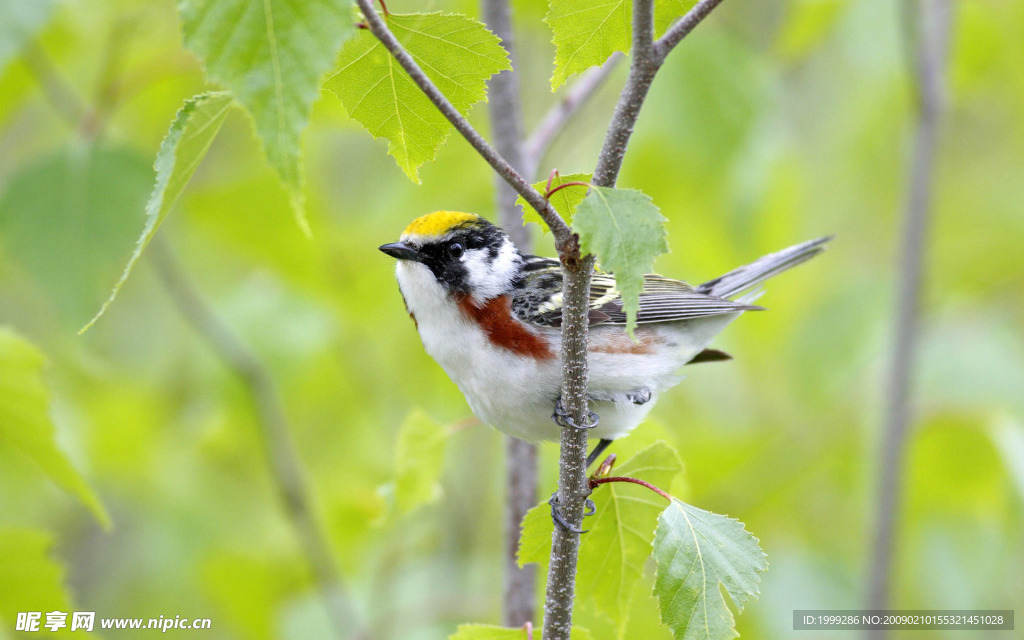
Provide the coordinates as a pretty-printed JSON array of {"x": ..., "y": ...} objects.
[
  {"x": 564, "y": 419},
  {"x": 641, "y": 395},
  {"x": 561, "y": 522}
]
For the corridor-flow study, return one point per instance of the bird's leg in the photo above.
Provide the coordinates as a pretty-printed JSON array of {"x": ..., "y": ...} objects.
[
  {"x": 563, "y": 419},
  {"x": 598, "y": 450},
  {"x": 640, "y": 395}
]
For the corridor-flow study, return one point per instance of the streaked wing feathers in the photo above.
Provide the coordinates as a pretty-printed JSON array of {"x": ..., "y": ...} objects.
[{"x": 539, "y": 298}]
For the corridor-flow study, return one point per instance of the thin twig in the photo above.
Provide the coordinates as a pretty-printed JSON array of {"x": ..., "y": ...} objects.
[
  {"x": 596, "y": 482},
  {"x": 553, "y": 123},
  {"x": 933, "y": 20},
  {"x": 521, "y": 477},
  {"x": 283, "y": 461},
  {"x": 565, "y": 240}
]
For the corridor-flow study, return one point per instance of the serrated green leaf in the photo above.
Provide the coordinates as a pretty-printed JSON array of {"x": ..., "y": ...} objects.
[
  {"x": 183, "y": 148},
  {"x": 696, "y": 551},
  {"x": 271, "y": 56},
  {"x": 419, "y": 459},
  {"x": 19, "y": 21},
  {"x": 624, "y": 229},
  {"x": 25, "y": 423},
  {"x": 456, "y": 52},
  {"x": 564, "y": 201},
  {"x": 586, "y": 34},
  {"x": 491, "y": 632},
  {"x": 613, "y": 554},
  {"x": 29, "y": 578},
  {"x": 618, "y": 542}
]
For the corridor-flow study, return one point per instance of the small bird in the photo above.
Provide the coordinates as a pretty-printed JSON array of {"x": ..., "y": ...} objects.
[{"x": 491, "y": 317}]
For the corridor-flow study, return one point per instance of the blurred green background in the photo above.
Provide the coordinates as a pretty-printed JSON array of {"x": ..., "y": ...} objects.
[{"x": 774, "y": 123}]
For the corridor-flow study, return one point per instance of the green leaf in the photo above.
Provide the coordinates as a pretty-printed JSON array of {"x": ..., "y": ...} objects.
[
  {"x": 25, "y": 424},
  {"x": 618, "y": 542},
  {"x": 419, "y": 460},
  {"x": 696, "y": 551},
  {"x": 613, "y": 554},
  {"x": 181, "y": 151},
  {"x": 271, "y": 56},
  {"x": 491, "y": 632},
  {"x": 564, "y": 200},
  {"x": 586, "y": 34},
  {"x": 29, "y": 579},
  {"x": 624, "y": 229},
  {"x": 456, "y": 52},
  {"x": 69, "y": 220},
  {"x": 535, "y": 536},
  {"x": 19, "y": 22}
]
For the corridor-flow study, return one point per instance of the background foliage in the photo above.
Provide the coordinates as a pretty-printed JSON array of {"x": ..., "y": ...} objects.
[{"x": 777, "y": 122}]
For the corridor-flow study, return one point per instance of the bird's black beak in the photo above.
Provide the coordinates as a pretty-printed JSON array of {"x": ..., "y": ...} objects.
[{"x": 401, "y": 251}]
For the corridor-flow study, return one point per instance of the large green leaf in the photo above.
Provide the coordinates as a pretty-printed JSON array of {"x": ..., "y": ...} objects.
[
  {"x": 24, "y": 421},
  {"x": 181, "y": 151},
  {"x": 491, "y": 632},
  {"x": 618, "y": 542},
  {"x": 624, "y": 229},
  {"x": 696, "y": 551},
  {"x": 19, "y": 21},
  {"x": 271, "y": 56},
  {"x": 456, "y": 52},
  {"x": 586, "y": 33},
  {"x": 419, "y": 460},
  {"x": 564, "y": 200},
  {"x": 30, "y": 580},
  {"x": 69, "y": 220}
]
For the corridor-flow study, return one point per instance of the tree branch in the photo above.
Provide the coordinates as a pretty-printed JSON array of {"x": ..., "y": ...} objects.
[
  {"x": 933, "y": 19},
  {"x": 558, "y": 116},
  {"x": 506, "y": 124},
  {"x": 521, "y": 477},
  {"x": 565, "y": 240},
  {"x": 572, "y": 481},
  {"x": 282, "y": 459}
]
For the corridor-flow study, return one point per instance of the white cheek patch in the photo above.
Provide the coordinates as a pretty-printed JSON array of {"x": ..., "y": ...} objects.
[{"x": 489, "y": 278}]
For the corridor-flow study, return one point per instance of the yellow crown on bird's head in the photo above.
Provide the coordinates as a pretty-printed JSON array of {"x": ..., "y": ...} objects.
[{"x": 438, "y": 223}]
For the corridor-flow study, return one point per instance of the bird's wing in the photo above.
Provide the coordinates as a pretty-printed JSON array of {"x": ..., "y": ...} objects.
[{"x": 538, "y": 298}]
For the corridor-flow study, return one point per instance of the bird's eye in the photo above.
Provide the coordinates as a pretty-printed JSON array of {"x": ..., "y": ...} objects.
[{"x": 456, "y": 249}]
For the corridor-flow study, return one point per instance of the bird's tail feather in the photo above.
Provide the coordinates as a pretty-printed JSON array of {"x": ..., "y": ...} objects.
[{"x": 748, "y": 276}]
